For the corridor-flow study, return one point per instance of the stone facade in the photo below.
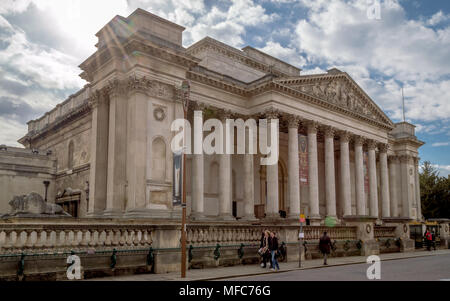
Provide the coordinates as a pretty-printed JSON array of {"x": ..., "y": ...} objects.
[
  {"x": 110, "y": 142},
  {"x": 113, "y": 137}
]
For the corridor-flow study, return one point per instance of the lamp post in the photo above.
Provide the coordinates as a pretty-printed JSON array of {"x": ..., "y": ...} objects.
[
  {"x": 185, "y": 88},
  {"x": 46, "y": 183}
]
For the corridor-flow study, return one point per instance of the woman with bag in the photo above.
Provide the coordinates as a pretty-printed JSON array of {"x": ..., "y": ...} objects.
[{"x": 264, "y": 248}]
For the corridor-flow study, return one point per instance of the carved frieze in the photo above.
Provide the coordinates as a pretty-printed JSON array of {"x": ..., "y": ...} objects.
[
  {"x": 151, "y": 87},
  {"x": 338, "y": 92}
]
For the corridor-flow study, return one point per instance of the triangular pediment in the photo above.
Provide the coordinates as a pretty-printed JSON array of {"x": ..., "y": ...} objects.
[{"x": 338, "y": 89}]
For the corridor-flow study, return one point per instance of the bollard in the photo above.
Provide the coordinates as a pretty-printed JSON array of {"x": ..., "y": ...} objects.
[
  {"x": 190, "y": 255},
  {"x": 150, "y": 256},
  {"x": 21, "y": 265},
  {"x": 359, "y": 244},
  {"x": 241, "y": 251},
  {"x": 113, "y": 259},
  {"x": 217, "y": 252}
]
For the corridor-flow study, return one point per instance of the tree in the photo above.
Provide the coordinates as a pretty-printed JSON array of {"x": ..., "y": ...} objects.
[{"x": 434, "y": 192}]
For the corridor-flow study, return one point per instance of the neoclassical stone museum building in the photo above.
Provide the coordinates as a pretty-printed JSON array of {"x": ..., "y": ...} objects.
[{"x": 106, "y": 154}]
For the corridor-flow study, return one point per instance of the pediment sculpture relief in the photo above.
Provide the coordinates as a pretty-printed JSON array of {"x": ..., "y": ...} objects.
[{"x": 339, "y": 93}]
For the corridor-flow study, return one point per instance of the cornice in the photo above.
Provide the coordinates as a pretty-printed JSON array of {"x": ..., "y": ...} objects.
[
  {"x": 60, "y": 122},
  {"x": 233, "y": 53}
]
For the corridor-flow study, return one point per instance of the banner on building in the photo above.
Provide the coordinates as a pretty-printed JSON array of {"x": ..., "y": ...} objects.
[
  {"x": 303, "y": 159},
  {"x": 177, "y": 190}
]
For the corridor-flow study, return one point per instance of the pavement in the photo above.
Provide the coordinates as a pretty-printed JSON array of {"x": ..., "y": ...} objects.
[
  {"x": 424, "y": 268},
  {"x": 220, "y": 273}
]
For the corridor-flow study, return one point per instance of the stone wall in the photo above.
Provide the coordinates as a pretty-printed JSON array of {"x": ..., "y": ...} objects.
[{"x": 23, "y": 171}]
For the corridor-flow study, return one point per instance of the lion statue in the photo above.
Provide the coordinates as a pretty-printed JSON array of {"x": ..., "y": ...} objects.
[{"x": 34, "y": 204}]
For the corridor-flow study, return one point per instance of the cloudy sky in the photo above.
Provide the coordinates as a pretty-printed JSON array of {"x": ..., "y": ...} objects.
[{"x": 43, "y": 41}]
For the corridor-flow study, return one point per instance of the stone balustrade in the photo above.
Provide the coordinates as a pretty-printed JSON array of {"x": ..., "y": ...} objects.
[
  {"x": 54, "y": 238},
  {"x": 232, "y": 235},
  {"x": 335, "y": 233},
  {"x": 384, "y": 231},
  {"x": 211, "y": 235}
]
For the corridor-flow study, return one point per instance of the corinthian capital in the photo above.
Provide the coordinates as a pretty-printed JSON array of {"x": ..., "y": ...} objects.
[
  {"x": 329, "y": 131},
  {"x": 271, "y": 113},
  {"x": 383, "y": 147},
  {"x": 116, "y": 87},
  {"x": 358, "y": 140},
  {"x": 371, "y": 144},
  {"x": 293, "y": 121},
  {"x": 312, "y": 126},
  {"x": 344, "y": 136},
  {"x": 97, "y": 97}
]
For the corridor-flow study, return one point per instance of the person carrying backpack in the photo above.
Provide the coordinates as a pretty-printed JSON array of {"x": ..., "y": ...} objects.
[{"x": 325, "y": 246}]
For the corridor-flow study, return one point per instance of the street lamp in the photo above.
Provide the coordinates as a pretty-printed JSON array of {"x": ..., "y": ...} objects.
[
  {"x": 46, "y": 183},
  {"x": 185, "y": 89}
]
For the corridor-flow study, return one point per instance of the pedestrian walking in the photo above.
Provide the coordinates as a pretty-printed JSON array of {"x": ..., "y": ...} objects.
[
  {"x": 273, "y": 247},
  {"x": 325, "y": 246},
  {"x": 428, "y": 239},
  {"x": 264, "y": 248}
]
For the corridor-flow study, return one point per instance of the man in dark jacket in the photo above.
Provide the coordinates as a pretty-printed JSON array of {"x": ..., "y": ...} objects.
[
  {"x": 325, "y": 246},
  {"x": 273, "y": 247}
]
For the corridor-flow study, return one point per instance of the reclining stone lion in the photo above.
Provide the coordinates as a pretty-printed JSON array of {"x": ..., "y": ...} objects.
[{"x": 34, "y": 204}]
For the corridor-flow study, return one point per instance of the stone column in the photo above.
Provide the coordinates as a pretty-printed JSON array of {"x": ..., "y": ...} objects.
[
  {"x": 225, "y": 200},
  {"x": 249, "y": 184},
  {"x": 359, "y": 177},
  {"x": 373, "y": 188},
  {"x": 407, "y": 193},
  {"x": 345, "y": 173},
  {"x": 330, "y": 185},
  {"x": 393, "y": 191},
  {"x": 117, "y": 149},
  {"x": 385, "y": 199},
  {"x": 197, "y": 201},
  {"x": 293, "y": 169},
  {"x": 272, "y": 207},
  {"x": 417, "y": 185},
  {"x": 99, "y": 151},
  {"x": 137, "y": 111},
  {"x": 313, "y": 175}
]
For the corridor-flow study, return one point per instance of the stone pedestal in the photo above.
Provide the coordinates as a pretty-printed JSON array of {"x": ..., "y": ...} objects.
[
  {"x": 365, "y": 233},
  {"x": 402, "y": 232}
]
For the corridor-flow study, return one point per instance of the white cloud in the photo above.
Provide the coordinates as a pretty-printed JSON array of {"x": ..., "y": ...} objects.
[
  {"x": 437, "y": 144},
  {"x": 289, "y": 55},
  {"x": 10, "y": 131},
  {"x": 437, "y": 18},
  {"x": 395, "y": 49}
]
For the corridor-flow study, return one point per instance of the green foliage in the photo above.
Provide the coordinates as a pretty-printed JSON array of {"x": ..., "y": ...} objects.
[{"x": 434, "y": 193}]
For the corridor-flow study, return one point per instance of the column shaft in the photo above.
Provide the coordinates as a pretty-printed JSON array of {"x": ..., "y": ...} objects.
[
  {"x": 294, "y": 171},
  {"x": 99, "y": 151},
  {"x": 385, "y": 200},
  {"x": 359, "y": 177},
  {"x": 345, "y": 173},
  {"x": 393, "y": 183},
  {"x": 137, "y": 150},
  {"x": 198, "y": 171},
  {"x": 225, "y": 200},
  {"x": 249, "y": 189},
  {"x": 373, "y": 188},
  {"x": 117, "y": 148},
  {"x": 272, "y": 207},
  {"x": 330, "y": 185},
  {"x": 313, "y": 171},
  {"x": 417, "y": 184}
]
